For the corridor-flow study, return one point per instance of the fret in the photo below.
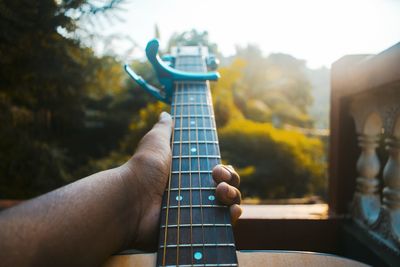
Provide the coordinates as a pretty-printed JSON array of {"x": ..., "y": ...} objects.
[
  {"x": 201, "y": 104},
  {"x": 193, "y": 206},
  {"x": 196, "y": 164},
  {"x": 199, "y": 245},
  {"x": 193, "y": 116},
  {"x": 189, "y": 150},
  {"x": 192, "y": 179},
  {"x": 192, "y": 87},
  {"x": 191, "y": 93},
  {"x": 198, "y": 128},
  {"x": 192, "y": 109},
  {"x": 190, "y": 172},
  {"x": 200, "y": 135},
  {"x": 198, "y": 225},
  {"x": 195, "y": 142},
  {"x": 194, "y": 235},
  {"x": 191, "y": 188},
  {"x": 194, "y": 123},
  {"x": 192, "y": 198},
  {"x": 196, "y": 156},
  {"x": 192, "y": 98},
  {"x": 201, "y": 215},
  {"x": 183, "y": 108}
]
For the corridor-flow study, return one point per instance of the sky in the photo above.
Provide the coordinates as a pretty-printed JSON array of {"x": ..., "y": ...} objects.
[{"x": 318, "y": 31}]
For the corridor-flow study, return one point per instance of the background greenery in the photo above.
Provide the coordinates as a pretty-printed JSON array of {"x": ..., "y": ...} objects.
[{"x": 66, "y": 112}]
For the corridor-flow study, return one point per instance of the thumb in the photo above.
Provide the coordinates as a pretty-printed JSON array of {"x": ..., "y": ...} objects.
[
  {"x": 164, "y": 126},
  {"x": 158, "y": 138}
]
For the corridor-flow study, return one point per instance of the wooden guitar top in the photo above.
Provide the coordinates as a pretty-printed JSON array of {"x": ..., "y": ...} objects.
[{"x": 247, "y": 259}]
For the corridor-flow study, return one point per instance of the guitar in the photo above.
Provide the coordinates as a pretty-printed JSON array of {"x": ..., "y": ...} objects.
[{"x": 195, "y": 229}]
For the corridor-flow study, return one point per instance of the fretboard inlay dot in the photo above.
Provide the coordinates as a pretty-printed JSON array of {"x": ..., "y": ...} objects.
[
  {"x": 193, "y": 149},
  {"x": 179, "y": 198},
  {"x": 211, "y": 197},
  {"x": 198, "y": 255}
]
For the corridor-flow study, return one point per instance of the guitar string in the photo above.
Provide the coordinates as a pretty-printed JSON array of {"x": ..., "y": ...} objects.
[
  {"x": 226, "y": 218},
  {"x": 180, "y": 177},
  {"x": 209, "y": 101},
  {"x": 203, "y": 87},
  {"x": 199, "y": 165},
  {"x": 190, "y": 177},
  {"x": 200, "y": 180},
  {"x": 169, "y": 190}
]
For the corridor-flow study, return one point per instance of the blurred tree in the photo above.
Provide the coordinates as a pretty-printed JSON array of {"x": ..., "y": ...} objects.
[
  {"x": 157, "y": 32},
  {"x": 223, "y": 97},
  {"x": 273, "y": 163},
  {"x": 192, "y": 38},
  {"x": 276, "y": 87},
  {"x": 44, "y": 85},
  {"x": 282, "y": 163}
]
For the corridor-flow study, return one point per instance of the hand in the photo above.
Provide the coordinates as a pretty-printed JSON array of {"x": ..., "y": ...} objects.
[{"x": 148, "y": 171}]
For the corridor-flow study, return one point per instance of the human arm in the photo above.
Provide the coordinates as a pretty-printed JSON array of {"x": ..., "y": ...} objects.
[{"x": 85, "y": 222}]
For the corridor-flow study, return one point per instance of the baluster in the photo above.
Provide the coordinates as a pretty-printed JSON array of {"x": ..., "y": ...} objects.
[
  {"x": 366, "y": 204},
  {"x": 391, "y": 191}
]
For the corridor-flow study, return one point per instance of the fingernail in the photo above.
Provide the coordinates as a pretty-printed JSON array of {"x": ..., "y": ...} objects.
[
  {"x": 226, "y": 173},
  {"x": 164, "y": 115}
]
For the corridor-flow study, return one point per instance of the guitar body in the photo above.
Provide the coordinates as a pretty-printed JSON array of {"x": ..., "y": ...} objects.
[{"x": 247, "y": 259}]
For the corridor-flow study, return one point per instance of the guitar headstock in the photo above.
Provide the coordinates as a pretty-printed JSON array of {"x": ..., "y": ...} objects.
[{"x": 167, "y": 75}]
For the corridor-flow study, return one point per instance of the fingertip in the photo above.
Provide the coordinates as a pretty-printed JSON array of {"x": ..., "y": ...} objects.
[
  {"x": 236, "y": 212},
  {"x": 165, "y": 116},
  {"x": 231, "y": 192},
  {"x": 228, "y": 194},
  {"x": 220, "y": 174}
]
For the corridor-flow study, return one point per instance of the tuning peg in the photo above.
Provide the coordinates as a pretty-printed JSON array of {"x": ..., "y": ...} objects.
[
  {"x": 212, "y": 62},
  {"x": 169, "y": 59},
  {"x": 154, "y": 91}
]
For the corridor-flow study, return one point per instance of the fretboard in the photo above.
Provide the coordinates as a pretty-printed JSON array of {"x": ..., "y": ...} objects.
[{"x": 195, "y": 227}]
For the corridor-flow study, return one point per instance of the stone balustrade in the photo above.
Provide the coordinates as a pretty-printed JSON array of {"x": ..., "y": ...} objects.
[{"x": 376, "y": 202}]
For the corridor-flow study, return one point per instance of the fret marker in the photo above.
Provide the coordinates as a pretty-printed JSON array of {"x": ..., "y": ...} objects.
[
  {"x": 191, "y": 98},
  {"x": 193, "y": 149},
  {"x": 197, "y": 255},
  {"x": 192, "y": 122},
  {"x": 179, "y": 198},
  {"x": 211, "y": 197}
]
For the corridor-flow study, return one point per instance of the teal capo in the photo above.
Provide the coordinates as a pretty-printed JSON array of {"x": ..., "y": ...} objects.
[{"x": 166, "y": 74}]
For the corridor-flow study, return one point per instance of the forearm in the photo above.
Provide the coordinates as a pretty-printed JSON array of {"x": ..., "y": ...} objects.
[{"x": 78, "y": 225}]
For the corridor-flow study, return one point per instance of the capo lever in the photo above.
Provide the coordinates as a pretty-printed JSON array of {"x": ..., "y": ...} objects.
[
  {"x": 166, "y": 74},
  {"x": 154, "y": 91}
]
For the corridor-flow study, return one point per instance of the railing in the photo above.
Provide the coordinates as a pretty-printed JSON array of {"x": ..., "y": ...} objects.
[{"x": 365, "y": 144}]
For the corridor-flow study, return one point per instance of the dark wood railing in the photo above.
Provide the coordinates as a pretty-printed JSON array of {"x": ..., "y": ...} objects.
[{"x": 365, "y": 148}]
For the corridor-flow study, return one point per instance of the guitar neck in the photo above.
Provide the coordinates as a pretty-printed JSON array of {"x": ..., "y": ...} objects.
[{"x": 195, "y": 227}]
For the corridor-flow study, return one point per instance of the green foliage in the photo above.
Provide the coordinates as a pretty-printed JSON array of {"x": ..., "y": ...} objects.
[
  {"x": 273, "y": 163},
  {"x": 46, "y": 95},
  {"x": 224, "y": 102},
  {"x": 276, "y": 88},
  {"x": 283, "y": 163}
]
